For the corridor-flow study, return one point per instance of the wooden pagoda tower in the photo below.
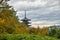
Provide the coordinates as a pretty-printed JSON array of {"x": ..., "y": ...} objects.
[{"x": 26, "y": 20}]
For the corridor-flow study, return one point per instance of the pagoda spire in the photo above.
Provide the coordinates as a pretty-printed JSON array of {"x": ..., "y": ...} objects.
[{"x": 25, "y": 14}]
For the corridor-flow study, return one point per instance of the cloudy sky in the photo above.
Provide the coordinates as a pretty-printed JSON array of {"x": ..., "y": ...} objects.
[{"x": 41, "y": 12}]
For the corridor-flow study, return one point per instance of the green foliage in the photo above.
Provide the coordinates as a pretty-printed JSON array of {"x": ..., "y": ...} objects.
[
  {"x": 52, "y": 32},
  {"x": 58, "y": 33},
  {"x": 25, "y": 37}
]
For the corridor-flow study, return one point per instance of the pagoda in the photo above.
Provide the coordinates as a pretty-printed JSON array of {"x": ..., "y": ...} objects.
[{"x": 26, "y": 20}]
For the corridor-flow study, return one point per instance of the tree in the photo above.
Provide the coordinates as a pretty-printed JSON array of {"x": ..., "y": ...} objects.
[
  {"x": 52, "y": 32},
  {"x": 8, "y": 20},
  {"x": 58, "y": 33}
]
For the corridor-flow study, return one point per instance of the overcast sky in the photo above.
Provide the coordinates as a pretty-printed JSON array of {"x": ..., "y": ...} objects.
[{"x": 41, "y": 12}]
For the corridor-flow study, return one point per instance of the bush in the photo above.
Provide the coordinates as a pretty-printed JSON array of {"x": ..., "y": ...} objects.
[
  {"x": 58, "y": 33},
  {"x": 52, "y": 32},
  {"x": 3, "y": 37},
  {"x": 24, "y": 37}
]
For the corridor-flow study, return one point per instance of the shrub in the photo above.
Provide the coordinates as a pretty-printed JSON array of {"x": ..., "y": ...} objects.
[{"x": 25, "y": 37}]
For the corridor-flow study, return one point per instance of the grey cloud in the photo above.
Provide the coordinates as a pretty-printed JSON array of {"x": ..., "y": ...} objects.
[
  {"x": 27, "y": 0},
  {"x": 49, "y": 4},
  {"x": 23, "y": 0},
  {"x": 49, "y": 12}
]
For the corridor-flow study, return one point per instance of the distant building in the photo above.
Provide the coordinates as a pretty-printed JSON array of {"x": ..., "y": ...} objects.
[{"x": 26, "y": 20}]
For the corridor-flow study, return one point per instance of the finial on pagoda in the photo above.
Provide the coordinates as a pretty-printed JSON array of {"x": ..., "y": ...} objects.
[{"x": 25, "y": 13}]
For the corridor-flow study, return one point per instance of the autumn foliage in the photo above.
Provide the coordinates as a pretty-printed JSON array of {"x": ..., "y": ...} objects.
[{"x": 40, "y": 31}]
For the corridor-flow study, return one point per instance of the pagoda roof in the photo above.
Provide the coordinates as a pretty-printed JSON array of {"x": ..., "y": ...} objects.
[{"x": 26, "y": 19}]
